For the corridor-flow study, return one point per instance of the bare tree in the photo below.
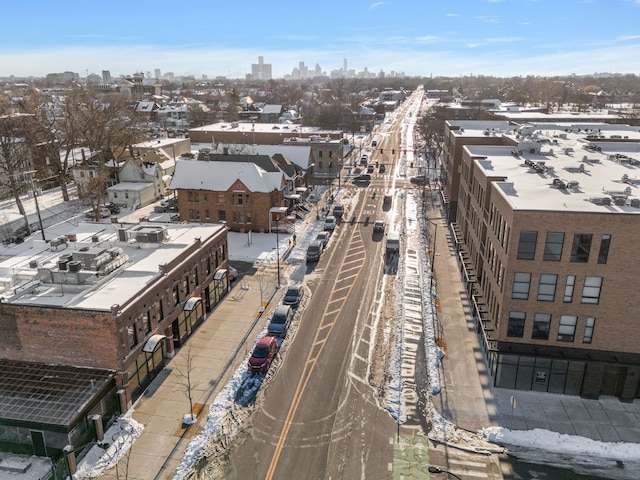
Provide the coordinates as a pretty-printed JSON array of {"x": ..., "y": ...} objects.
[
  {"x": 189, "y": 384},
  {"x": 15, "y": 158}
]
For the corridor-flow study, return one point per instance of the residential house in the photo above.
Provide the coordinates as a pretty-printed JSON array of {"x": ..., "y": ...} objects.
[
  {"x": 142, "y": 182},
  {"x": 237, "y": 193}
]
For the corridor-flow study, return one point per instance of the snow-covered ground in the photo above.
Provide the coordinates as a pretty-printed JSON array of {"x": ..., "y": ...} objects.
[{"x": 226, "y": 414}]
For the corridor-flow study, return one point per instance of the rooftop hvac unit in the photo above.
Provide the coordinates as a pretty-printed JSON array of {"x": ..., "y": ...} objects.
[
  {"x": 62, "y": 264},
  {"x": 606, "y": 201},
  {"x": 95, "y": 238},
  {"x": 635, "y": 202},
  {"x": 33, "y": 264},
  {"x": 75, "y": 266},
  {"x": 620, "y": 201}
]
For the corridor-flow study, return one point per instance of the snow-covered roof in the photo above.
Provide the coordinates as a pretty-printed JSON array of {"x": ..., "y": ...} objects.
[
  {"x": 299, "y": 155},
  {"x": 219, "y": 176}
]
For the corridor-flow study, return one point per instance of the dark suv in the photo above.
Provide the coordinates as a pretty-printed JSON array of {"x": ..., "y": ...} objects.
[{"x": 314, "y": 250}]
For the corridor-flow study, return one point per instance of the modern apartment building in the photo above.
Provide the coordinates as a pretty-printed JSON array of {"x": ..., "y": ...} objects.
[{"x": 545, "y": 219}]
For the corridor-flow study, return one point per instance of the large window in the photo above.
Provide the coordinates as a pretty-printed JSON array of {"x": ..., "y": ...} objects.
[
  {"x": 605, "y": 242},
  {"x": 567, "y": 328},
  {"x": 591, "y": 290},
  {"x": 568, "y": 289},
  {"x": 521, "y": 284},
  {"x": 132, "y": 339},
  {"x": 515, "y": 328},
  {"x": 581, "y": 247},
  {"x": 541, "y": 324},
  {"x": 194, "y": 215},
  {"x": 553, "y": 246},
  {"x": 527, "y": 245},
  {"x": 222, "y": 216},
  {"x": 547, "y": 287},
  {"x": 588, "y": 330}
]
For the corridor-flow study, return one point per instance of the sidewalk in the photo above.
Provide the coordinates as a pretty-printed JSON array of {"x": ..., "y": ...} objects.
[
  {"x": 468, "y": 398},
  {"x": 215, "y": 349}
]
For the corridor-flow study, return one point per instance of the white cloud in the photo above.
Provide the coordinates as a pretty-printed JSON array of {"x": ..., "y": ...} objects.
[{"x": 375, "y": 5}]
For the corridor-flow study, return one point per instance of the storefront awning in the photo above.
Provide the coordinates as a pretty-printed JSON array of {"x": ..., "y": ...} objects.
[
  {"x": 192, "y": 302},
  {"x": 152, "y": 343},
  {"x": 220, "y": 274}
]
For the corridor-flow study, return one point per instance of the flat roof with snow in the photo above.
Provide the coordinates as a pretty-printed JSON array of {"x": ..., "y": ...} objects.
[
  {"x": 567, "y": 168},
  {"x": 92, "y": 265}
]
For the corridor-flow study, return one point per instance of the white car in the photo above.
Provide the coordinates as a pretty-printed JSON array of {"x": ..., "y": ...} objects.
[
  {"x": 323, "y": 238},
  {"x": 233, "y": 273},
  {"x": 330, "y": 223}
]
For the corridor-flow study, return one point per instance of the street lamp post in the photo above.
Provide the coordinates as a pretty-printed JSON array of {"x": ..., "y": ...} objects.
[
  {"x": 433, "y": 469},
  {"x": 278, "y": 251},
  {"x": 277, "y": 211}
]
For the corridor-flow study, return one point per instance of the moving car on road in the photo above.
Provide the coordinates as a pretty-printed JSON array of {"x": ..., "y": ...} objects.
[{"x": 363, "y": 178}]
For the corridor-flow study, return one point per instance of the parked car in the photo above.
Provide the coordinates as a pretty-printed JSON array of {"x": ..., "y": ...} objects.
[
  {"x": 323, "y": 238},
  {"x": 338, "y": 210},
  {"x": 378, "y": 226},
  {"x": 330, "y": 223},
  {"x": 419, "y": 179},
  {"x": 374, "y": 143},
  {"x": 263, "y": 354},
  {"x": 314, "y": 250},
  {"x": 233, "y": 273},
  {"x": 292, "y": 295},
  {"x": 280, "y": 321}
]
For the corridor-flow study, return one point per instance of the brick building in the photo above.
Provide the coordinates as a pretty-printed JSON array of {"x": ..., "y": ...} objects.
[
  {"x": 545, "y": 220},
  {"x": 240, "y": 194},
  {"x": 97, "y": 308}
]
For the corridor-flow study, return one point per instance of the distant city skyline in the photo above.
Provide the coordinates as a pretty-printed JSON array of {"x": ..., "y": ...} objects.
[{"x": 418, "y": 38}]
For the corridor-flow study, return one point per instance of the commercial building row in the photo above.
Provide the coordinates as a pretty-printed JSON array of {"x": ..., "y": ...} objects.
[{"x": 89, "y": 317}]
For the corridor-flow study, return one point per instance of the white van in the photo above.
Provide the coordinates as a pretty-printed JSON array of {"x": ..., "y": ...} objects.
[{"x": 393, "y": 242}]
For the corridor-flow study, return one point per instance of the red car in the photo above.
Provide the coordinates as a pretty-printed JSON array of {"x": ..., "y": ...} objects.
[{"x": 263, "y": 354}]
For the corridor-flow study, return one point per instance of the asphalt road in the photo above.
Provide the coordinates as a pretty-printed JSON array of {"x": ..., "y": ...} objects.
[{"x": 319, "y": 414}]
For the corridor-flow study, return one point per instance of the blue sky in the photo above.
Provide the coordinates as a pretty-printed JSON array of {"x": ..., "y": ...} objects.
[{"x": 417, "y": 37}]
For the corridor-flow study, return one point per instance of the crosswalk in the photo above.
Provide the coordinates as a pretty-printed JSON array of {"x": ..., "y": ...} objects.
[{"x": 413, "y": 455}]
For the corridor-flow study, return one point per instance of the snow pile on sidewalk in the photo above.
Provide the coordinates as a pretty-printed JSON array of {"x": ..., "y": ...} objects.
[{"x": 118, "y": 440}]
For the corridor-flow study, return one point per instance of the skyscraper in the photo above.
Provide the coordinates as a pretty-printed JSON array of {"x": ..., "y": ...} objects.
[{"x": 261, "y": 70}]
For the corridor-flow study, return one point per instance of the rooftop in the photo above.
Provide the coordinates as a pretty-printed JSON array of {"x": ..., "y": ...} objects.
[
  {"x": 92, "y": 265},
  {"x": 565, "y": 167}
]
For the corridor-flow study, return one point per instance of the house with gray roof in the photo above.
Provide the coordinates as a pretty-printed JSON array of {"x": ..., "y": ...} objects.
[{"x": 240, "y": 194}]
